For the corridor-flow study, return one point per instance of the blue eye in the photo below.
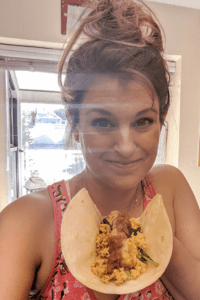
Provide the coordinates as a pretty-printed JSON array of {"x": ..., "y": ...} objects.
[
  {"x": 144, "y": 122},
  {"x": 102, "y": 123}
]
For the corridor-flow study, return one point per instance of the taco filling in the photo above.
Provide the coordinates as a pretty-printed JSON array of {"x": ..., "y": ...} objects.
[
  {"x": 120, "y": 249},
  {"x": 105, "y": 253}
]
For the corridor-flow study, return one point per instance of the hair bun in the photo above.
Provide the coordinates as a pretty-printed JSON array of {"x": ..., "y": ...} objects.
[{"x": 123, "y": 21}]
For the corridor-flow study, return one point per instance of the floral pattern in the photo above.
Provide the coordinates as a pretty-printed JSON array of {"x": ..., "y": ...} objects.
[{"x": 61, "y": 285}]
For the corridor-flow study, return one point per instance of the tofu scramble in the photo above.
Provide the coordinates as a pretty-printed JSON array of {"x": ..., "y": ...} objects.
[{"x": 117, "y": 244}]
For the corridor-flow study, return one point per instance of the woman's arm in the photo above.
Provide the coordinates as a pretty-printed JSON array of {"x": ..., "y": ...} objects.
[
  {"x": 182, "y": 273},
  {"x": 19, "y": 249}
]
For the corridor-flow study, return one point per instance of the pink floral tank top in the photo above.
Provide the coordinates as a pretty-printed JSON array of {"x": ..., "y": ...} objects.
[{"x": 61, "y": 285}]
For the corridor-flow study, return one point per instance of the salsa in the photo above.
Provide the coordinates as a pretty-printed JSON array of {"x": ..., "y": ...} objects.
[{"x": 117, "y": 255}]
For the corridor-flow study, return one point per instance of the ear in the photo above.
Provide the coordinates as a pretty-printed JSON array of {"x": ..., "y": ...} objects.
[
  {"x": 76, "y": 135},
  {"x": 164, "y": 117}
]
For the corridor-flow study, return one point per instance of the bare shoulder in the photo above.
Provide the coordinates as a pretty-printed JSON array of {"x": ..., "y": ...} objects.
[
  {"x": 29, "y": 208},
  {"x": 167, "y": 180},
  {"x": 24, "y": 225},
  {"x": 30, "y": 216},
  {"x": 181, "y": 204},
  {"x": 171, "y": 179}
]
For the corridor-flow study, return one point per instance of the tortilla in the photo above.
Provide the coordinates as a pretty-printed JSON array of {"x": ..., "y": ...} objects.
[{"x": 80, "y": 226}]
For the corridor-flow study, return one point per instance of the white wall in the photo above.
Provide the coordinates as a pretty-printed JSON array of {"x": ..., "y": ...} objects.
[
  {"x": 181, "y": 27},
  {"x": 39, "y": 20},
  {"x": 186, "y": 3},
  {"x": 31, "y": 20}
]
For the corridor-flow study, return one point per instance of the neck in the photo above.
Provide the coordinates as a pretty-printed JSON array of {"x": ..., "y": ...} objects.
[{"x": 108, "y": 199}]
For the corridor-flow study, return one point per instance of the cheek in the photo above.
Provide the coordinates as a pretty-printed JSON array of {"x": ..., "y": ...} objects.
[
  {"x": 151, "y": 140},
  {"x": 155, "y": 138},
  {"x": 94, "y": 143},
  {"x": 156, "y": 134}
]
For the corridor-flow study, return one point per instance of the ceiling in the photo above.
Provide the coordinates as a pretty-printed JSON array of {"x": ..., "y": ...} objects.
[{"x": 186, "y": 3}]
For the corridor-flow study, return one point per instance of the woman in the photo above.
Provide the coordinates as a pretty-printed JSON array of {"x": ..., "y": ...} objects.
[{"x": 116, "y": 95}]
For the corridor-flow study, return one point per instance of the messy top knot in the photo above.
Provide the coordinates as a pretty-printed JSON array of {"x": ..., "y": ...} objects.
[
  {"x": 124, "y": 40},
  {"x": 123, "y": 21}
]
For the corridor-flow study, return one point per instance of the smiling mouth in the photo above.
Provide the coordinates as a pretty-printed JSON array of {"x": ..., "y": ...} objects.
[{"x": 123, "y": 163}]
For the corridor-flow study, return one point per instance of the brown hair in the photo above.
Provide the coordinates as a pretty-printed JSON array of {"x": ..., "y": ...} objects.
[{"x": 124, "y": 40}]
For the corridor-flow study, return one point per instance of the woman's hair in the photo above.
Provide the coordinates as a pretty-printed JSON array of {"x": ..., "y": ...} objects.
[{"x": 124, "y": 41}]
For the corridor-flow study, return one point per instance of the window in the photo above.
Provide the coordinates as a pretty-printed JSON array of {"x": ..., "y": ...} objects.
[
  {"x": 43, "y": 140},
  {"x": 43, "y": 125},
  {"x": 14, "y": 142}
]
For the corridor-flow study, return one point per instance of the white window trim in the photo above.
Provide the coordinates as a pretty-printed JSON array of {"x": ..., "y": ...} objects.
[{"x": 173, "y": 115}]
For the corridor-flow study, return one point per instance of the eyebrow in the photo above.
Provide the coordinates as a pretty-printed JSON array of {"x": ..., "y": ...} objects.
[
  {"x": 99, "y": 110},
  {"x": 146, "y": 110},
  {"x": 107, "y": 113}
]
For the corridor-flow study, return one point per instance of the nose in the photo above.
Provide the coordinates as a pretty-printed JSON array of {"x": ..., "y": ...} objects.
[{"x": 125, "y": 143}]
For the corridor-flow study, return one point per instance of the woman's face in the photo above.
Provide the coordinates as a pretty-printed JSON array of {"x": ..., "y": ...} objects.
[{"x": 119, "y": 132}]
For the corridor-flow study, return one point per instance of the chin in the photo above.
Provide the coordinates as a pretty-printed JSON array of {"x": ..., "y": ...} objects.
[
  {"x": 119, "y": 178},
  {"x": 120, "y": 183}
]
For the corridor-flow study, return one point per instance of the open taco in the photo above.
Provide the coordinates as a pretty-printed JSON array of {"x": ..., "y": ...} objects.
[{"x": 80, "y": 227}]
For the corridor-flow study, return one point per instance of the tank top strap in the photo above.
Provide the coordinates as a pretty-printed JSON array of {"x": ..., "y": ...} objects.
[
  {"x": 60, "y": 200},
  {"x": 149, "y": 191}
]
